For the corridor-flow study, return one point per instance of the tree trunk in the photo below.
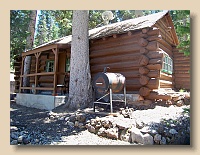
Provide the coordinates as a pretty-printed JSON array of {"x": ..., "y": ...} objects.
[
  {"x": 80, "y": 90},
  {"x": 29, "y": 45}
]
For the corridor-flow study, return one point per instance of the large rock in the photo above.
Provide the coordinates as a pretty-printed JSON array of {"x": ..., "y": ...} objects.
[
  {"x": 157, "y": 138},
  {"x": 125, "y": 123},
  {"x": 148, "y": 139},
  {"x": 112, "y": 133},
  {"x": 136, "y": 135}
]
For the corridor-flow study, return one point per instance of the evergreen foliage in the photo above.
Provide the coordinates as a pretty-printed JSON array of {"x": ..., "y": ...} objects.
[
  {"x": 181, "y": 20},
  {"x": 19, "y": 20}
]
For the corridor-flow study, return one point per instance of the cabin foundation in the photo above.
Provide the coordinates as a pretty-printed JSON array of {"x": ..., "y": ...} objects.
[{"x": 46, "y": 102}]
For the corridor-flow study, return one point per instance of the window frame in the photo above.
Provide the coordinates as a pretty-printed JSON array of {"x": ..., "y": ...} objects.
[
  {"x": 167, "y": 66},
  {"x": 48, "y": 67},
  {"x": 67, "y": 65}
]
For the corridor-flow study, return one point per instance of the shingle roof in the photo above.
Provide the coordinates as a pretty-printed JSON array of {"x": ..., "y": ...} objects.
[{"x": 115, "y": 28}]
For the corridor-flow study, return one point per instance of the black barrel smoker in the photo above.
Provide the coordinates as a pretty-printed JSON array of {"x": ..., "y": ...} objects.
[{"x": 105, "y": 84}]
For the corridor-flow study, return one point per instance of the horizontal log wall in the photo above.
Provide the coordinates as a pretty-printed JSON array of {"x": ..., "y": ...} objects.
[
  {"x": 17, "y": 73},
  {"x": 181, "y": 70},
  {"x": 123, "y": 54},
  {"x": 137, "y": 55}
]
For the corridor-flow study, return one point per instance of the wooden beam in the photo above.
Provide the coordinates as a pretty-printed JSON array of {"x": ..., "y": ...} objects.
[
  {"x": 38, "y": 88},
  {"x": 54, "y": 50},
  {"x": 37, "y": 55},
  {"x": 44, "y": 73},
  {"x": 40, "y": 49}
]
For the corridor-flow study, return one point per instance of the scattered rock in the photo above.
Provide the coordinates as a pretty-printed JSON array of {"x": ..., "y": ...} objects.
[
  {"x": 81, "y": 125},
  {"x": 163, "y": 141},
  {"x": 66, "y": 118},
  {"x": 180, "y": 103},
  {"x": 157, "y": 138},
  {"x": 136, "y": 135},
  {"x": 14, "y": 142},
  {"x": 20, "y": 139},
  {"x": 153, "y": 132},
  {"x": 112, "y": 133},
  {"x": 148, "y": 139},
  {"x": 13, "y": 128},
  {"x": 14, "y": 135},
  {"x": 139, "y": 124},
  {"x": 71, "y": 124},
  {"x": 76, "y": 123},
  {"x": 72, "y": 118},
  {"x": 91, "y": 128},
  {"x": 145, "y": 130},
  {"x": 61, "y": 118},
  {"x": 143, "y": 127},
  {"x": 81, "y": 117},
  {"x": 105, "y": 122},
  {"x": 125, "y": 135},
  {"x": 173, "y": 131},
  {"x": 102, "y": 132}
]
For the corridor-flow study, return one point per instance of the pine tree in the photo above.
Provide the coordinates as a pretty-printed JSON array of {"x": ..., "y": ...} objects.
[
  {"x": 29, "y": 46},
  {"x": 181, "y": 20},
  {"x": 80, "y": 91},
  {"x": 19, "y": 20},
  {"x": 41, "y": 30}
]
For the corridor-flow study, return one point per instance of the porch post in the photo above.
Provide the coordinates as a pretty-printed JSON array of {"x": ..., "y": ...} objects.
[
  {"x": 36, "y": 71},
  {"x": 55, "y": 51},
  {"x": 22, "y": 71}
]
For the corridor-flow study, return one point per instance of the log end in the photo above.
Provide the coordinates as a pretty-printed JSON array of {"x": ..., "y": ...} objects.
[
  {"x": 143, "y": 70},
  {"x": 144, "y": 80},
  {"x": 143, "y": 42},
  {"x": 143, "y": 61},
  {"x": 143, "y": 51},
  {"x": 144, "y": 91}
]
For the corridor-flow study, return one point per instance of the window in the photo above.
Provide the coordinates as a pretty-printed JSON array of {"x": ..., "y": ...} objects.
[
  {"x": 50, "y": 66},
  {"x": 167, "y": 64},
  {"x": 67, "y": 65}
]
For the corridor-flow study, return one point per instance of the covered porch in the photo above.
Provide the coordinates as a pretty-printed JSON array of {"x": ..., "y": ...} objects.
[{"x": 49, "y": 71}]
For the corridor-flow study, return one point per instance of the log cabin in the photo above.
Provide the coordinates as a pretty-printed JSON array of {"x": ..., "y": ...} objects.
[{"x": 143, "y": 49}]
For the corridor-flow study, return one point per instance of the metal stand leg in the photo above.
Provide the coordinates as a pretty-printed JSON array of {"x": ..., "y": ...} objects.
[
  {"x": 94, "y": 107},
  {"x": 111, "y": 106},
  {"x": 125, "y": 94}
]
